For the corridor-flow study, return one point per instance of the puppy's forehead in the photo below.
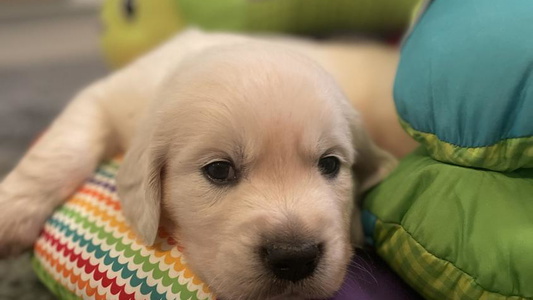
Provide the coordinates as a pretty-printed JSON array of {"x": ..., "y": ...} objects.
[
  {"x": 260, "y": 94},
  {"x": 255, "y": 72}
]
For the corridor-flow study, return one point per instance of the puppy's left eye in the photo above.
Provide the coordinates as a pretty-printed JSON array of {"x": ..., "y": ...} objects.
[
  {"x": 220, "y": 172},
  {"x": 329, "y": 166}
]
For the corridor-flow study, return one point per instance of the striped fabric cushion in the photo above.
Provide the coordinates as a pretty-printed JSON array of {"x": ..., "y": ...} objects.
[{"x": 87, "y": 250}]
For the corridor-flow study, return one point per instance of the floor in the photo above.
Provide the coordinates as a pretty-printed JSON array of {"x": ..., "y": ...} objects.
[{"x": 49, "y": 51}]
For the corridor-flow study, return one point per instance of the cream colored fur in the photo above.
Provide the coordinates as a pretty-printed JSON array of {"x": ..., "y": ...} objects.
[{"x": 268, "y": 105}]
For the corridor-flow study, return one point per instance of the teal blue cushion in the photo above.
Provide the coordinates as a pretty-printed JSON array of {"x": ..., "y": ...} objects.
[{"x": 466, "y": 72}]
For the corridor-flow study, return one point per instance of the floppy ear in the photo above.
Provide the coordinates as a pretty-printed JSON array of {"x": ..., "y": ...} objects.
[
  {"x": 139, "y": 183},
  {"x": 372, "y": 164}
]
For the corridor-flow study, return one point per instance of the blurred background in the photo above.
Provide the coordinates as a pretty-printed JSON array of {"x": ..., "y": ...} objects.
[{"x": 49, "y": 50}]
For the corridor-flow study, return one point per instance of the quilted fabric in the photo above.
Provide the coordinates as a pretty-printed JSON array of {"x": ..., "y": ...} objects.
[
  {"x": 455, "y": 232},
  {"x": 455, "y": 219},
  {"x": 86, "y": 250}
]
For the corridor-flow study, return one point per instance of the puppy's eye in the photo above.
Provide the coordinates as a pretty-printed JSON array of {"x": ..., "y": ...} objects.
[
  {"x": 329, "y": 166},
  {"x": 220, "y": 172}
]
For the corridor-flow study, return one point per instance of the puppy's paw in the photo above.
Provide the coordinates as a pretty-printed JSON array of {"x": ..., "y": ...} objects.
[{"x": 20, "y": 224}]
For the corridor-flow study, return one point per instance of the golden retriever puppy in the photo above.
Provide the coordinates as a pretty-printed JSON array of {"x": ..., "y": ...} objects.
[{"x": 247, "y": 149}]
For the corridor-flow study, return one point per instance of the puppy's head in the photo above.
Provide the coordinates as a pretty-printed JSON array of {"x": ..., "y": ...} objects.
[{"x": 255, "y": 157}]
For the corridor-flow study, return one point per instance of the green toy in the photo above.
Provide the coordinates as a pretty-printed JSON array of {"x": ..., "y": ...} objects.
[
  {"x": 455, "y": 219},
  {"x": 131, "y": 27}
]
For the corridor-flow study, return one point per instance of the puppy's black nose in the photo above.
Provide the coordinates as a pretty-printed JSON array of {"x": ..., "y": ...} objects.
[{"x": 292, "y": 262}]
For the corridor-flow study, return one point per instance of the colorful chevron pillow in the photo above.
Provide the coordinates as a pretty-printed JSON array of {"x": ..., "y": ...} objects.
[
  {"x": 455, "y": 219},
  {"x": 86, "y": 250}
]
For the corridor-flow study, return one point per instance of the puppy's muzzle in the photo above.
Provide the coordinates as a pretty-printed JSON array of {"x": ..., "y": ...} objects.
[{"x": 292, "y": 261}]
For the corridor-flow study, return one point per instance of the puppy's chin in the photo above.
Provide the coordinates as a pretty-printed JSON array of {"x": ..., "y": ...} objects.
[
  {"x": 296, "y": 291},
  {"x": 238, "y": 274},
  {"x": 315, "y": 287}
]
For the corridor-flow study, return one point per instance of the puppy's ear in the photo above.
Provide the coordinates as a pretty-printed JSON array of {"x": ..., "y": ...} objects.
[
  {"x": 372, "y": 164},
  {"x": 139, "y": 183}
]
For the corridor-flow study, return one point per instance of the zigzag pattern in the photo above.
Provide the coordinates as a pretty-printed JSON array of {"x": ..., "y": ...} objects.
[{"x": 89, "y": 250}]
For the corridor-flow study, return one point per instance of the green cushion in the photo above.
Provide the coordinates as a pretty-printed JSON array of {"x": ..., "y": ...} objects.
[
  {"x": 299, "y": 16},
  {"x": 131, "y": 30},
  {"x": 454, "y": 232}
]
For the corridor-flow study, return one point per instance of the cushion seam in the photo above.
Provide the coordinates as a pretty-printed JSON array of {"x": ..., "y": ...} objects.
[{"x": 405, "y": 123}]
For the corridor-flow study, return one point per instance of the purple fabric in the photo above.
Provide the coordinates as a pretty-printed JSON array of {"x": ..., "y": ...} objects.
[{"x": 369, "y": 278}]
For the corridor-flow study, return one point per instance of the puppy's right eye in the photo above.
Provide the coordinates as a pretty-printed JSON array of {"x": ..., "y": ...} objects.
[
  {"x": 220, "y": 172},
  {"x": 329, "y": 166}
]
